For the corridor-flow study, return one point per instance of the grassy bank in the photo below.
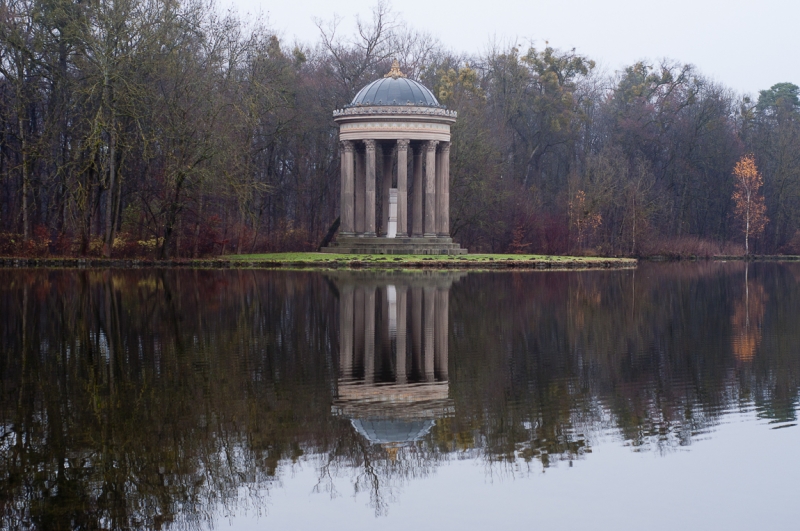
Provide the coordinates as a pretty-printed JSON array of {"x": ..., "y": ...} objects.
[
  {"x": 469, "y": 261},
  {"x": 338, "y": 261}
]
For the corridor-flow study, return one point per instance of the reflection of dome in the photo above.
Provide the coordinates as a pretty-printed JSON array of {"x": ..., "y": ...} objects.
[{"x": 386, "y": 431}]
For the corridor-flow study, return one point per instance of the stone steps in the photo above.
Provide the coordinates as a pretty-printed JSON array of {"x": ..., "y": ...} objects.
[
  {"x": 392, "y": 241},
  {"x": 395, "y": 250},
  {"x": 377, "y": 245},
  {"x": 392, "y": 251}
]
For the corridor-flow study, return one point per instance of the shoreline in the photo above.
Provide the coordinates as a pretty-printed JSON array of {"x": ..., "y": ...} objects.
[
  {"x": 317, "y": 261},
  {"x": 362, "y": 262}
]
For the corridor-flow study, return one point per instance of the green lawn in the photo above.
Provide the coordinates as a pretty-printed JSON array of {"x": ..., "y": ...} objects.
[{"x": 332, "y": 257}]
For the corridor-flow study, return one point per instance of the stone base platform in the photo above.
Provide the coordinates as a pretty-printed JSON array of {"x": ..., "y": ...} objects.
[{"x": 364, "y": 245}]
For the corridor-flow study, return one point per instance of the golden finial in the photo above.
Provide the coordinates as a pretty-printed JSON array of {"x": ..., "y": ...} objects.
[{"x": 395, "y": 72}]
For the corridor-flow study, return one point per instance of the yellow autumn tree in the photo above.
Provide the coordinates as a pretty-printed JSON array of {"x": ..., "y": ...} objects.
[{"x": 749, "y": 207}]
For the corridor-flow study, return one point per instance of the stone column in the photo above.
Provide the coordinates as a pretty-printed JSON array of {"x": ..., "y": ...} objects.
[
  {"x": 416, "y": 219},
  {"x": 446, "y": 187},
  {"x": 442, "y": 191},
  {"x": 400, "y": 363},
  {"x": 346, "y": 332},
  {"x": 369, "y": 334},
  {"x": 438, "y": 207},
  {"x": 429, "y": 323},
  {"x": 369, "y": 196},
  {"x": 347, "y": 204},
  {"x": 360, "y": 192},
  {"x": 442, "y": 308},
  {"x": 388, "y": 161},
  {"x": 430, "y": 189},
  {"x": 402, "y": 188}
]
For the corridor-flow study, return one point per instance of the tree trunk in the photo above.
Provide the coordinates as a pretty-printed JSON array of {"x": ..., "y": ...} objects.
[
  {"x": 178, "y": 238},
  {"x": 747, "y": 228},
  {"x": 197, "y": 229},
  {"x": 26, "y": 185},
  {"x": 633, "y": 231},
  {"x": 172, "y": 216},
  {"x": 112, "y": 176},
  {"x": 241, "y": 234}
]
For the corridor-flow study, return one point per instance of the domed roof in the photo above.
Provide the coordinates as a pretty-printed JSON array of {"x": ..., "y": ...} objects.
[{"x": 395, "y": 89}]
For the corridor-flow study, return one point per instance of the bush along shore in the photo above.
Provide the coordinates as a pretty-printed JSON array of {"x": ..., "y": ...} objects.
[
  {"x": 332, "y": 261},
  {"x": 723, "y": 258}
]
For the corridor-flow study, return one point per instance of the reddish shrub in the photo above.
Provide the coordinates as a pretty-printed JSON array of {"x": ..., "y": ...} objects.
[
  {"x": 10, "y": 243},
  {"x": 689, "y": 247},
  {"x": 39, "y": 243},
  {"x": 793, "y": 246}
]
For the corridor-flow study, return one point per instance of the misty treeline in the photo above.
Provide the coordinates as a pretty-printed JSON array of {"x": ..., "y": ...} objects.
[{"x": 170, "y": 129}]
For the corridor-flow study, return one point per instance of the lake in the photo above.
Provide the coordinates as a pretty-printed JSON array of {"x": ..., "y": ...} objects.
[{"x": 658, "y": 398}]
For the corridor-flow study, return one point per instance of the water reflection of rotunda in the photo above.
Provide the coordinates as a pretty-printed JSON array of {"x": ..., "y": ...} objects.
[{"x": 393, "y": 361}]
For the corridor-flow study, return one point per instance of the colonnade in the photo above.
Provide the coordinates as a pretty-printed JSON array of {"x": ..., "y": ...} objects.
[{"x": 430, "y": 178}]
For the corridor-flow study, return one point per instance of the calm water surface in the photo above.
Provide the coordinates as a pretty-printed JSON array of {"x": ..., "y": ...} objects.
[{"x": 661, "y": 398}]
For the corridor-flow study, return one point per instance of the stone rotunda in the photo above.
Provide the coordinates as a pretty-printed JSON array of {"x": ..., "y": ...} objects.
[{"x": 395, "y": 175}]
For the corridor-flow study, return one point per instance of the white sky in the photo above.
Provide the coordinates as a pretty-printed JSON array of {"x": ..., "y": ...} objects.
[
  {"x": 747, "y": 45},
  {"x": 740, "y": 476}
]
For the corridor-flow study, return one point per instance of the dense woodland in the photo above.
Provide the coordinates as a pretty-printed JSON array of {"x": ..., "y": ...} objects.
[{"x": 167, "y": 128}]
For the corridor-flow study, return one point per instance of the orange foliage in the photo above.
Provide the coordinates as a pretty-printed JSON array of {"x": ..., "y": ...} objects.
[
  {"x": 750, "y": 206},
  {"x": 518, "y": 245}
]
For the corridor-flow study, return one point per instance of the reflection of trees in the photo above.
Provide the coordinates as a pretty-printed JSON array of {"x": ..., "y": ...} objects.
[
  {"x": 147, "y": 399},
  {"x": 134, "y": 400},
  {"x": 378, "y": 470},
  {"x": 559, "y": 357},
  {"x": 774, "y": 374}
]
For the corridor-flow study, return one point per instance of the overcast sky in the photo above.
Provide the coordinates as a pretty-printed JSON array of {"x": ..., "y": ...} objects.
[{"x": 747, "y": 45}]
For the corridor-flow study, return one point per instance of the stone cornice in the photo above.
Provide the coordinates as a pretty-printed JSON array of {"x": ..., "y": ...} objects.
[{"x": 405, "y": 110}]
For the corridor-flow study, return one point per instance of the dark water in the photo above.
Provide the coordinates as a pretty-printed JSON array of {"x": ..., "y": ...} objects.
[{"x": 657, "y": 399}]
